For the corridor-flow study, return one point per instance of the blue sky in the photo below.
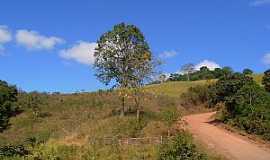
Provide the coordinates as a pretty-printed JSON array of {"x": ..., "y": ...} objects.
[{"x": 44, "y": 45}]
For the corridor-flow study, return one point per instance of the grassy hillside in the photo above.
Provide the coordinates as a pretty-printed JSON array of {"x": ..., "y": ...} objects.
[
  {"x": 174, "y": 89},
  {"x": 68, "y": 123}
]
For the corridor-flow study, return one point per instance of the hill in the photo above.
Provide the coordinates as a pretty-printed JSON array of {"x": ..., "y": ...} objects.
[
  {"x": 175, "y": 88},
  {"x": 67, "y": 124}
]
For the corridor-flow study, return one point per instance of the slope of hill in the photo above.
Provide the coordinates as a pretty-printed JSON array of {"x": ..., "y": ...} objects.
[
  {"x": 175, "y": 88},
  {"x": 68, "y": 124}
]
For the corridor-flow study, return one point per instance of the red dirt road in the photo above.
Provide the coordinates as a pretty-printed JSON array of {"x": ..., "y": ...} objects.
[{"x": 230, "y": 145}]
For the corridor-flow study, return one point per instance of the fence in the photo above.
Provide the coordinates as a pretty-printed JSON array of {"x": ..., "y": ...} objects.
[{"x": 129, "y": 141}]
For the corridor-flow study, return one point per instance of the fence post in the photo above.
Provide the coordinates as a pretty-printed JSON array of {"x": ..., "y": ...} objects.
[{"x": 161, "y": 139}]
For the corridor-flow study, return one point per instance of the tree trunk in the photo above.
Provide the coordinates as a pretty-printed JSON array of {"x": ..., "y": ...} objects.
[
  {"x": 188, "y": 76},
  {"x": 123, "y": 107},
  {"x": 138, "y": 114},
  {"x": 137, "y": 104}
]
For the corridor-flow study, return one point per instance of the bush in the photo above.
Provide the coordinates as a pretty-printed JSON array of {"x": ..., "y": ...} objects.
[
  {"x": 196, "y": 95},
  {"x": 249, "y": 110},
  {"x": 170, "y": 115},
  {"x": 180, "y": 147},
  {"x": 8, "y": 97},
  {"x": 11, "y": 151},
  {"x": 227, "y": 87}
]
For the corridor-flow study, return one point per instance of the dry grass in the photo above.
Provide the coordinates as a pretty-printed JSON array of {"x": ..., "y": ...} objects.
[{"x": 73, "y": 118}]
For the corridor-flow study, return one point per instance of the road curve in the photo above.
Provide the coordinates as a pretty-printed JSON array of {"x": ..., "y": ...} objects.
[{"x": 228, "y": 144}]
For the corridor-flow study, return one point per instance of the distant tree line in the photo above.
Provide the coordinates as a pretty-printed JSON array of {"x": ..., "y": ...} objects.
[
  {"x": 189, "y": 73},
  {"x": 202, "y": 74}
]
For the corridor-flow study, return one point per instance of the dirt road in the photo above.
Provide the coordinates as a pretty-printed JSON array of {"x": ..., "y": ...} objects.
[{"x": 231, "y": 145}]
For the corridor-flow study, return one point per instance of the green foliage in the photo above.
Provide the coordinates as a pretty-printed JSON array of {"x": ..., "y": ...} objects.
[
  {"x": 7, "y": 103},
  {"x": 203, "y": 74},
  {"x": 196, "y": 95},
  {"x": 266, "y": 80},
  {"x": 11, "y": 151},
  {"x": 249, "y": 110},
  {"x": 246, "y": 103},
  {"x": 180, "y": 147},
  {"x": 170, "y": 115},
  {"x": 247, "y": 71},
  {"x": 226, "y": 87},
  {"x": 121, "y": 55}
]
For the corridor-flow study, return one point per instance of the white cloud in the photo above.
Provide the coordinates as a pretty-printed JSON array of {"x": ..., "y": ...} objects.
[
  {"x": 266, "y": 59},
  {"x": 167, "y": 54},
  {"x": 34, "y": 40},
  {"x": 257, "y": 3},
  {"x": 5, "y": 34},
  {"x": 209, "y": 64},
  {"x": 82, "y": 52}
]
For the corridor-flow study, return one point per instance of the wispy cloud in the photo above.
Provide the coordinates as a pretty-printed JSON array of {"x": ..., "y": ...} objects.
[
  {"x": 266, "y": 59},
  {"x": 34, "y": 41},
  {"x": 82, "y": 52},
  {"x": 207, "y": 63},
  {"x": 167, "y": 54},
  {"x": 257, "y": 3}
]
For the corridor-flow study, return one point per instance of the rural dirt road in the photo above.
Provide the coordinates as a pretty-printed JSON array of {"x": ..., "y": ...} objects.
[{"x": 230, "y": 145}]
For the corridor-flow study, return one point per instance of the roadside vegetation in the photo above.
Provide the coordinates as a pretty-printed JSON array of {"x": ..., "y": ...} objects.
[{"x": 240, "y": 99}]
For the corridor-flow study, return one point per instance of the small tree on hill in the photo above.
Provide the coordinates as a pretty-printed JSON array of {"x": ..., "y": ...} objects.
[
  {"x": 227, "y": 72},
  {"x": 266, "y": 80},
  {"x": 124, "y": 58},
  {"x": 247, "y": 71},
  {"x": 188, "y": 69}
]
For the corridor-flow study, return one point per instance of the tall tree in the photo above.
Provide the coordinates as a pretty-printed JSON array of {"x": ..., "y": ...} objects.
[
  {"x": 123, "y": 57},
  {"x": 188, "y": 69},
  {"x": 227, "y": 71},
  {"x": 266, "y": 80}
]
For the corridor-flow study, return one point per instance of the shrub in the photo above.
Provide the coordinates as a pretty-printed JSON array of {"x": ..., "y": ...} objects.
[
  {"x": 11, "y": 151},
  {"x": 249, "y": 110},
  {"x": 180, "y": 147},
  {"x": 227, "y": 87},
  {"x": 170, "y": 115},
  {"x": 7, "y": 103},
  {"x": 196, "y": 95}
]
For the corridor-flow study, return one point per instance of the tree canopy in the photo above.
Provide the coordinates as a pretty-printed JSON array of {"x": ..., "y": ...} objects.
[{"x": 123, "y": 56}]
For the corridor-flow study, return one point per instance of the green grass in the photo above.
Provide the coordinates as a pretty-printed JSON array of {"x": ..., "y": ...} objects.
[
  {"x": 174, "y": 89},
  {"x": 73, "y": 119}
]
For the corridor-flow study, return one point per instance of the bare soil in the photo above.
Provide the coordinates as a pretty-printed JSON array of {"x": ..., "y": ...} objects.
[{"x": 231, "y": 145}]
